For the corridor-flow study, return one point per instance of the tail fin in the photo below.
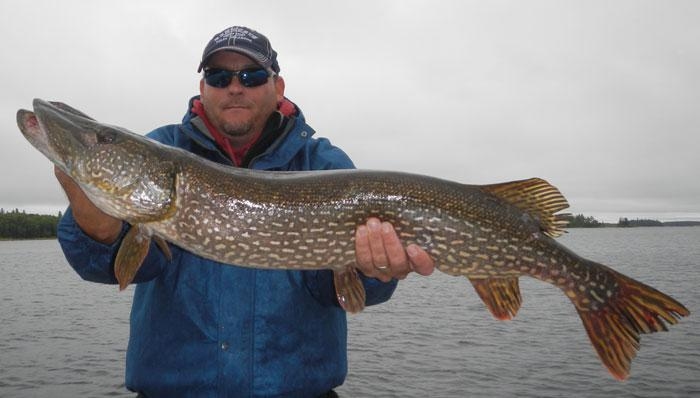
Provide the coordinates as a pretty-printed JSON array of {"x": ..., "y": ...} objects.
[{"x": 633, "y": 309}]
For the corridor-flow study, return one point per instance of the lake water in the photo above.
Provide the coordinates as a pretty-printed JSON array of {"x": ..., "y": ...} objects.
[{"x": 62, "y": 337}]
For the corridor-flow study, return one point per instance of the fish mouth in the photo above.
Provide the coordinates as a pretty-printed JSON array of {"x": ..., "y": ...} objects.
[
  {"x": 50, "y": 128},
  {"x": 31, "y": 128}
]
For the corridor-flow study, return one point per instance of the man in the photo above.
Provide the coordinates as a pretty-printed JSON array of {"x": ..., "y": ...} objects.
[{"x": 199, "y": 328}]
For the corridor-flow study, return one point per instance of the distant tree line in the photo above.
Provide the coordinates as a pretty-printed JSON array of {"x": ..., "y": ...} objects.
[
  {"x": 18, "y": 224},
  {"x": 639, "y": 222},
  {"x": 581, "y": 221}
]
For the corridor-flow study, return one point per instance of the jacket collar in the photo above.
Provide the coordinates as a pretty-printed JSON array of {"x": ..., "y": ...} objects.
[{"x": 278, "y": 154}]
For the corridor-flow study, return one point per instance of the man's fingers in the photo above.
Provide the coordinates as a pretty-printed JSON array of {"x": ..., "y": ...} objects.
[
  {"x": 376, "y": 244},
  {"x": 363, "y": 254},
  {"x": 380, "y": 253},
  {"x": 395, "y": 252},
  {"x": 422, "y": 263}
]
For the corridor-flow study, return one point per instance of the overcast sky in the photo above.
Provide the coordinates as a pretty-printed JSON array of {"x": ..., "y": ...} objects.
[{"x": 601, "y": 98}]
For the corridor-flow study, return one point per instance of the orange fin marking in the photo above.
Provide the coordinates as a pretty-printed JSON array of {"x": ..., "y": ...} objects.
[
  {"x": 501, "y": 295},
  {"x": 635, "y": 308},
  {"x": 130, "y": 256},
  {"x": 349, "y": 290},
  {"x": 536, "y": 197}
]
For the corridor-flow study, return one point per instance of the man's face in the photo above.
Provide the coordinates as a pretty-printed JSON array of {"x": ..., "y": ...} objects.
[{"x": 239, "y": 112}]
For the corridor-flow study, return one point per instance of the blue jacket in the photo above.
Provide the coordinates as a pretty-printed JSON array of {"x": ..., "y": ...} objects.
[{"x": 203, "y": 329}]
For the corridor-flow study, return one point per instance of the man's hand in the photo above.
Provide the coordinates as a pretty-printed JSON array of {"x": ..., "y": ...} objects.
[
  {"x": 93, "y": 221},
  {"x": 381, "y": 255}
]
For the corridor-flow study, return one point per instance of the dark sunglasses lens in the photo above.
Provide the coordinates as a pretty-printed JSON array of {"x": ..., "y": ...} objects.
[
  {"x": 221, "y": 78},
  {"x": 253, "y": 77},
  {"x": 218, "y": 78}
]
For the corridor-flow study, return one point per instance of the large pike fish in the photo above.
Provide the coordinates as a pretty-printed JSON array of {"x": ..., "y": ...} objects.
[{"x": 491, "y": 234}]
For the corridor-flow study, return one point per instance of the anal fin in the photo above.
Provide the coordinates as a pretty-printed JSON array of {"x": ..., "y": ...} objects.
[
  {"x": 501, "y": 295},
  {"x": 349, "y": 290},
  {"x": 131, "y": 254}
]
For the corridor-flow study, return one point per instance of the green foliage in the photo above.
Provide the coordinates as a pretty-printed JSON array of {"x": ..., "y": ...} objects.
[
  {"x": 581, "y": 221},
  {"x": 682, "y": 224},
  {"x": 18, "y": 224},
  {"x": 639, "y": 222}
]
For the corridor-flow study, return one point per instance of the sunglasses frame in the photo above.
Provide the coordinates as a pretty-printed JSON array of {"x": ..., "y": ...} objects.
[{"x": 229, "y": 75}]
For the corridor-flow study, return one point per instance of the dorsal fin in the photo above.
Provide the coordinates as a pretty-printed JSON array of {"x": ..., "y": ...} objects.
[{"x": 536, "y": 197}]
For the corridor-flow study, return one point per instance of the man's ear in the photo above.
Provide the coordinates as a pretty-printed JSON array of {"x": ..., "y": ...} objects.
[{"x": 279, "y": 87}]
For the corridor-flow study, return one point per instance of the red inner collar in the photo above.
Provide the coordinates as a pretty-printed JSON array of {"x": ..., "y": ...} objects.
[{"x": 286, "y": 107}]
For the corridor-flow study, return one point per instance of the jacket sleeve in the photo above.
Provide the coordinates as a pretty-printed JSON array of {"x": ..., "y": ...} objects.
[
  {"x": 324, "y": 157},
  {"x": 94, "y": 261}
]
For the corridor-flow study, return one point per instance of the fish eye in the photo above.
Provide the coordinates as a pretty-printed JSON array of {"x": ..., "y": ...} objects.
[{"x": 106, "y": 137}]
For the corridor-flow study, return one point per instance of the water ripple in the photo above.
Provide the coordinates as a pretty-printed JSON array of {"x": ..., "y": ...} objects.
[
  {"x": 439, "y": 340},
  {"x": 434, "y": 338}
]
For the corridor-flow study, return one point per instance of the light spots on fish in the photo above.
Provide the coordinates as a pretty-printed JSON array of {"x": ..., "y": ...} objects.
[
  {"x": 310, "y": 234},
  {"x": 595, "y": 295}
]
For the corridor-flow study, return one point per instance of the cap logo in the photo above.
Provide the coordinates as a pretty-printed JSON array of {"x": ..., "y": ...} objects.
[
  {"x": 235, "y": 33},
  {"x": 247, "y": 42}
]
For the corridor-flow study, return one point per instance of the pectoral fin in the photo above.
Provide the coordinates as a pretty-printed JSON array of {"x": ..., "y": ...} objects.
[
  {"x": 501, "y": 295},
  {"x": 349, "y": 290},
  {"x": 130, "y": 256},
  {"x": 163, "y": 246}
]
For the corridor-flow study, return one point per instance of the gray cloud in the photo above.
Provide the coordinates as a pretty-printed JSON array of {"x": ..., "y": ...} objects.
[{"x": 600, "y": 98}]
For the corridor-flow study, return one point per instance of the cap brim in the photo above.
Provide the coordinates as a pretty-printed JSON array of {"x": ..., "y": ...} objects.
[{"x": 239, "y": 50}]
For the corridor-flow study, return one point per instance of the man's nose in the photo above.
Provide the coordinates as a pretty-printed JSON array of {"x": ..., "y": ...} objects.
[{"x": 235, "y": 87}]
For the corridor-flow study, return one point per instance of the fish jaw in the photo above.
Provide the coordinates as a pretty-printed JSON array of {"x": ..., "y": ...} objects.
[
  {"x": 57, "y": 131},
  {"x": 31, "y": 129}
]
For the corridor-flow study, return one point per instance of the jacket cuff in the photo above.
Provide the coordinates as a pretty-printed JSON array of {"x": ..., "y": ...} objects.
[{"x": 92, "y": 260}]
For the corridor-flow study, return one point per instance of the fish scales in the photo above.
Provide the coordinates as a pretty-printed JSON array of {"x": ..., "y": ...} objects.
[
  {"x": 491, "y": 234},
  {"x": 261, "y": 211},
  {"x": 315, "y": 216}
]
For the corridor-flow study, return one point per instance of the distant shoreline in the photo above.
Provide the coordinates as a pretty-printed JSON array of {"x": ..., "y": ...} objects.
[
  {"x": 662, "y": 224},
  {"x": 583, "y": 221},
  {"x": 608, "y": 226}
]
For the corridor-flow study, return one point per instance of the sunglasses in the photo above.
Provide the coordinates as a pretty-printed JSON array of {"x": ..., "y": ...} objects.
[{"x": 221, "y": 78}]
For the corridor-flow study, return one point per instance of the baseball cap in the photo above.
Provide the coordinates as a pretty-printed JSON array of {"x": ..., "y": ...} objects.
[{"x": 245, "y": 41}]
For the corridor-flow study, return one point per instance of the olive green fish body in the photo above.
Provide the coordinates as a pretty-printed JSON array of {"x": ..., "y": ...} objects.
[
  {"x": 491, "y": 234},
  {"x": 307, "y": 220}
]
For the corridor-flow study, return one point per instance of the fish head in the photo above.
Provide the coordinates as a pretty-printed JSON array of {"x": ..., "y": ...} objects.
[
  {"x": 60, "y": 138},
  {"x": 124, "y": 174}
]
